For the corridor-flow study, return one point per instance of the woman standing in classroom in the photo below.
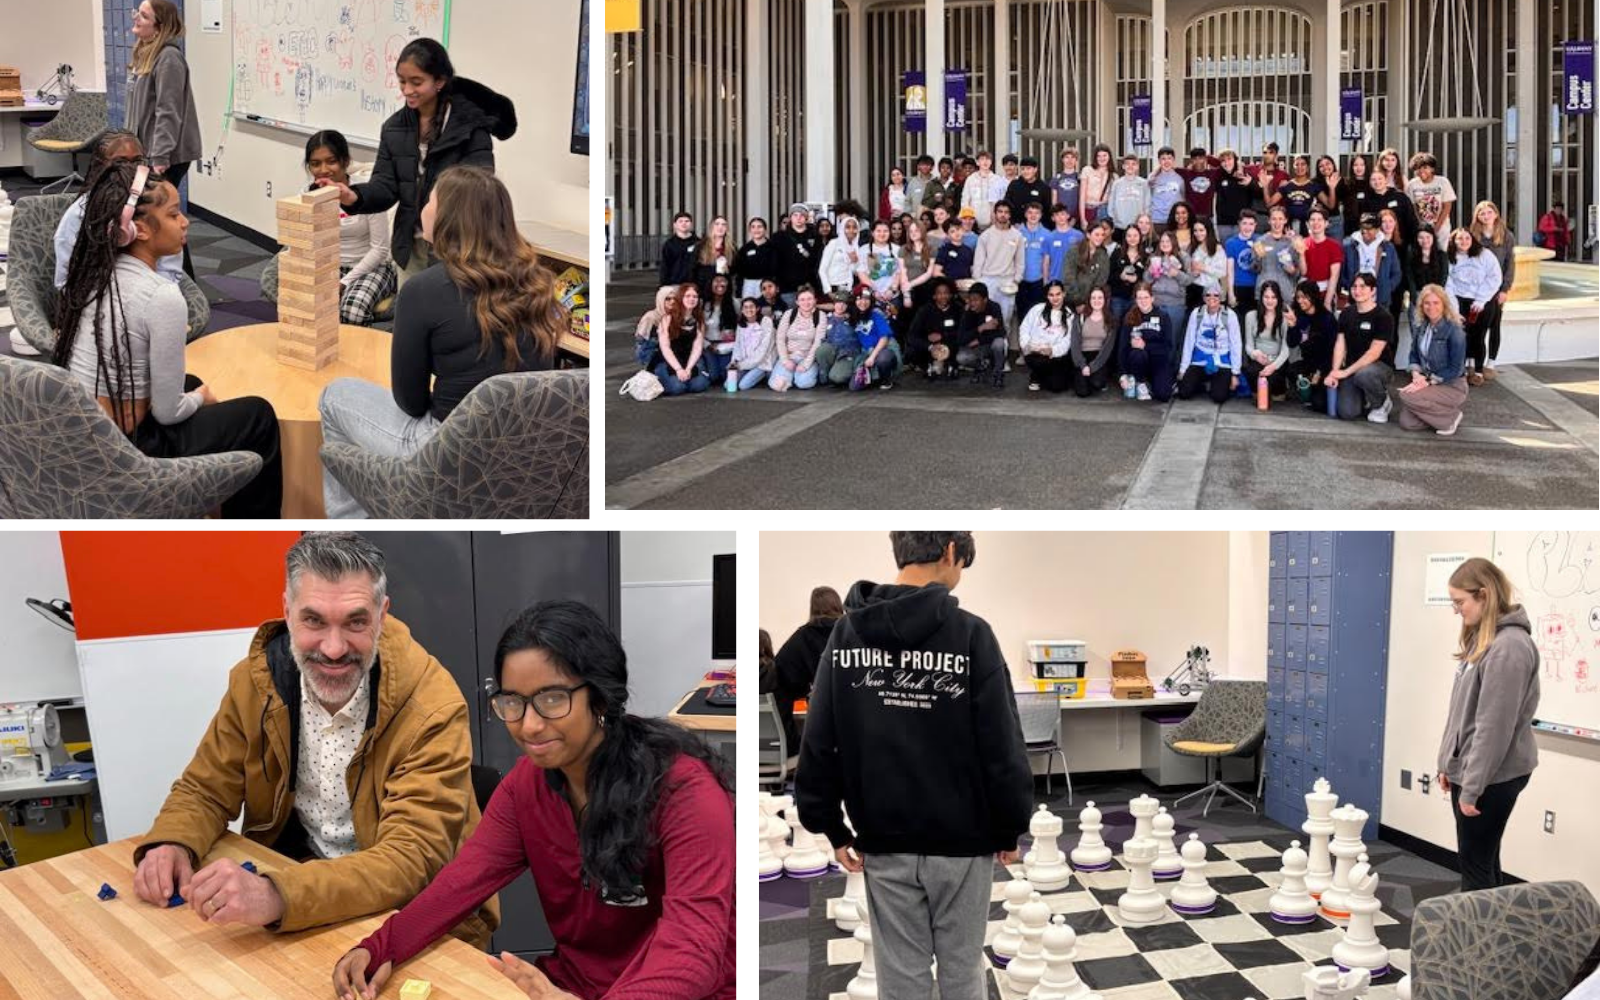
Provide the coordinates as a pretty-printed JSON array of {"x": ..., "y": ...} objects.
[
  {"x": 447, "y": 120},
  {"x": 1487, "y": 752},
  {"x": 160, "y": 106}
]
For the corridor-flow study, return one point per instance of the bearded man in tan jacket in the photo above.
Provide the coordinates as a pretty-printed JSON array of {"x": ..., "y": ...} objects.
[{"x": 347, "y": 746}]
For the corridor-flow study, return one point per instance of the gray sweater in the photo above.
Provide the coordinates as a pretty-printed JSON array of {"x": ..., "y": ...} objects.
[
  {"x": 157, "y": 321},
  {"x": 161, "y": 110},
  {"x": 1488, "y": 737}
]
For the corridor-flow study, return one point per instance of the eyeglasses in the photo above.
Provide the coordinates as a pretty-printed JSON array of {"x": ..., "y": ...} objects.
[{"x": 550, "y": 703}]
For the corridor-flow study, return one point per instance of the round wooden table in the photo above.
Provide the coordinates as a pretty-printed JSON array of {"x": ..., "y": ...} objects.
[{"x": 243, "y": 361}]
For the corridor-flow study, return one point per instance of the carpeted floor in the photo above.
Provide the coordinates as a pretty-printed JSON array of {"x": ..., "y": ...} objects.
[
  {"x": 787, "y": 952},
  {"x": 227, "y": 267}
]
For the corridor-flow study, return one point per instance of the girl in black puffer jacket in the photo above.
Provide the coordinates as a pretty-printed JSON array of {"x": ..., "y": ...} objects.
[{"x": 447, "y": 120}]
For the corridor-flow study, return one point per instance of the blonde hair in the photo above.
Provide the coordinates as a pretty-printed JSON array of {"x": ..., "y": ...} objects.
[
  {"x": 1483, "y": 579},
  {"x": 169, "y": 26},
  {"x": 476, "y": 240},
  {"x": 1498, "y": 235},
  {"x": 708, "y": 252},
  {"x": 1447, "y": 301}
]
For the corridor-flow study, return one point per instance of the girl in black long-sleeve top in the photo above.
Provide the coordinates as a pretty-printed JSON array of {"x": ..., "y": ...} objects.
[{"x": 448, "y": 120}]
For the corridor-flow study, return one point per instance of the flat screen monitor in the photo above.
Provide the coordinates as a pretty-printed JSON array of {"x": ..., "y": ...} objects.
[
  {"x": 580, "y": 89},
  {"x": 724, "y": 607}
]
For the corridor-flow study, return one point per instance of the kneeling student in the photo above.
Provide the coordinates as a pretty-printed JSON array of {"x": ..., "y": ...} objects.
[
  {"x": 1212, "y": 353},
  {"x": 1145, "y": 348},
  {"x": 1047, "y": 336},
  {"x": 1438, "y": 387}
]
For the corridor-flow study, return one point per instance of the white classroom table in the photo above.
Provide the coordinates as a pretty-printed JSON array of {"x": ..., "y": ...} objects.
[
  {"x": 1103, "y": 700},
  {"x": 14, "y": 149}
]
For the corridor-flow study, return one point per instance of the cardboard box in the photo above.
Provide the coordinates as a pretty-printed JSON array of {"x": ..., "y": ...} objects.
[{"x": 1129, "y": 680}]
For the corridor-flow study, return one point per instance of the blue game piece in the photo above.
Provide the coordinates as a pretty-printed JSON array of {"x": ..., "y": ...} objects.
[
  {"x": 106, "y": 892},
  {"x": 175, "y": 901},
  {"x": 250, "y": 866}
]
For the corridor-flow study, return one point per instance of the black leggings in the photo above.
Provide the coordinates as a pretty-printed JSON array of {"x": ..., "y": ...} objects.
[
  {"x": 1277, "y": 382},
  {"x": 174, "y": 175},
  {"x": 1217, "y": 385},
  {"x": 247, "y": 424},
  {"x": 1051, "y": 374},
  {"x": 1483, "y": 334},
  {"x": 1478, "y": 837}
]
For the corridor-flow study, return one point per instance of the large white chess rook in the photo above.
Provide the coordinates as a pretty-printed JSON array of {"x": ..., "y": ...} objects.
[
  {"x": 1193, "y": 895},
  {"x": 1292, "y": 904},
  {"x": 1141, "y": 904},
  {"x": 1027, "y": 968},
  {"x": 1043, "y": 863},
  {"x": 1143, "y": 809},
  {"x": 1091, "y": 854},
  {"x": 864, "y": 986},
  {"x": 1319, "y": 804},
  {"x": 1009, "y": 938},
  {"x": 1360, "y": 947},
  {"x": 1346, "y": 847}
]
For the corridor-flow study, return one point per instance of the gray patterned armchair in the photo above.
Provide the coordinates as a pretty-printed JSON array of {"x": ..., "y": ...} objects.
[
  {"x": 1517, "y": 942},
  {"x": 61, "y": 456},
  {"x": 81, "y": 120},
  {"x": 31, "y": 283},
  {"x": 1230, "y": 720},
  {"x": 516, "y": 447}
]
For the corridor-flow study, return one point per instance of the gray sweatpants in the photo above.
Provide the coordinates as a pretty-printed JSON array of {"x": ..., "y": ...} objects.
[{"x": 926, "y": 907}]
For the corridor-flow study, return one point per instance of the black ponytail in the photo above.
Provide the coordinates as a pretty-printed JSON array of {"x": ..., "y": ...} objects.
[
  {"x": 334, "y": 141},
  {"x": 626, "y": 775}
]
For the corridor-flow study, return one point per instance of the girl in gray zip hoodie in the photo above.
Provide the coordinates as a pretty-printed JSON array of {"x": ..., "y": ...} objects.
[{"x": 1488, "y": 752}]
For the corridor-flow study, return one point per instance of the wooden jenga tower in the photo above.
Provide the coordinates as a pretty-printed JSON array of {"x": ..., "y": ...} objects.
[{"x": 308, "y": 279}]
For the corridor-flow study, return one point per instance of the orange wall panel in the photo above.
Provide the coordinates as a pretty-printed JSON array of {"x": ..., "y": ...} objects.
[{"x": 128, "y": 583}]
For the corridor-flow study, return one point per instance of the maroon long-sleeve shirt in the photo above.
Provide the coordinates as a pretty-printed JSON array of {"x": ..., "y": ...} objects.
[{"x": 678, "y": 945}]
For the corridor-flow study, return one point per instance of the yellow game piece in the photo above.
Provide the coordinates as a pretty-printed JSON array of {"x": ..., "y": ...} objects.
[{"x": 416, "y": 989}]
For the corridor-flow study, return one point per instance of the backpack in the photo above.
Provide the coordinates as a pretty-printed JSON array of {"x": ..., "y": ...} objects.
[{"x": 643, "y": 386}]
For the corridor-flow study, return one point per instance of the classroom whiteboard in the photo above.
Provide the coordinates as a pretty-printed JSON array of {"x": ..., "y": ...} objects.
[
  {"x": 307, "y": 65},
  {"x": 1557, "y": 577},
  {"x": 666, "y": 632},
  {"x": 38, "y": 660}
]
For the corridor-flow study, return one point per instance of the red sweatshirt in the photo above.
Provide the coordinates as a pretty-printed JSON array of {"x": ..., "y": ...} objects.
[{"x": 679, "y": 945}]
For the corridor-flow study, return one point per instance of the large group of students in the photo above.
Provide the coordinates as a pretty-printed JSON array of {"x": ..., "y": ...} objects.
[
  {"x": 1280, "y": 279},
  {"x": 474, "y": 299}
]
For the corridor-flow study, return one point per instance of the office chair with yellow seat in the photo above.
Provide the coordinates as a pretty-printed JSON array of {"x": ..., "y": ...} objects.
[{"x": 1229, "y": 720}]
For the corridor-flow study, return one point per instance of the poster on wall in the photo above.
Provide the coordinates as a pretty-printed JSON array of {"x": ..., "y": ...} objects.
[
  {"x": 955, "y": 100},
  {"x": 915, "y": 88},
  {"x": 1350, "y": 101},
  {"x": 1139, "y": 119},
  {"x": 1577, "y": 77},
  {"x": 1436, "y": 581}
]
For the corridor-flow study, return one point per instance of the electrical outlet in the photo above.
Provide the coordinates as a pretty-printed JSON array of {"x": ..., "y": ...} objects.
[
  {"x": 1549, "y": 821},
  {"x": 1405, "y": 780}
]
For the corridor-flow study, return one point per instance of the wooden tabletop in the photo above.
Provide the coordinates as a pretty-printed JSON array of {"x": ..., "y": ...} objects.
[
  {"x": 705, "y": 723},
  {"x": 59, "y": 941},
  {"x": 243, "y": 361}
]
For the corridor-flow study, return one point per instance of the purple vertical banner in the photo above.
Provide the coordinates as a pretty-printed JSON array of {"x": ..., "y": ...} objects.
[
  {"x": 1577, "y": 77},
  {"x": 916, "y": 92},
  {"x": 1350, "y": 117},
  {"x": 1139, "y": 119},
  {"x": 955, "y": 100}
]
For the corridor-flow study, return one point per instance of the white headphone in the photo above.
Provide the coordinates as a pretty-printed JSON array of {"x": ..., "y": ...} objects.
[{"x": 123, "y": 230}]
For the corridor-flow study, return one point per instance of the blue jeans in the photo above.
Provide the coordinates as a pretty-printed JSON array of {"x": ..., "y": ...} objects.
[
  {"x": 365, "y": 415},
  {"x": 671, "y": 385},
  {"x": 643, "y": 351},
  {"x": 800, "y": 378},
  {"x": 752, "y": 377},
  {"x": 715, "y": 365},
  {"x": 1175, "y": 315}
]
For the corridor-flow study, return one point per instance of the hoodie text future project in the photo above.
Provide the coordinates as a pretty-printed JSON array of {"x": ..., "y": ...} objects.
[{"x": 913, "y": 729}]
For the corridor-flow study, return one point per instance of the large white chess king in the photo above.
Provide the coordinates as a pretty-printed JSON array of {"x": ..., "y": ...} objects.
[{"x": 1348, "y": 822}]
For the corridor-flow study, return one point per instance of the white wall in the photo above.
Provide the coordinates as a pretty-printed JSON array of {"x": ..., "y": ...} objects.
[
  {"x": 41, "y": 36},
  {"x": 490, "y": 43},
  {"x": 1421, "y": 672},
  {"x": 666, "y": 612},
  {"x": 39, "y": 659}
]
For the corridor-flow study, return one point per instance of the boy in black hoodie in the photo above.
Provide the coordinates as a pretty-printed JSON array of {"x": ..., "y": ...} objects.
[
  {"x": 914, "y": 729},
  {"x": 677, "y": 253}
]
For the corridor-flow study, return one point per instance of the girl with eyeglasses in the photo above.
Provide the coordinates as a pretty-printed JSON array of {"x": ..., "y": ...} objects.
[{"x": 625, "y": 822}]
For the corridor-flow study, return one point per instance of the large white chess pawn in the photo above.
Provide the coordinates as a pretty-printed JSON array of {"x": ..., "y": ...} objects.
[
  {"x": 1027, "y": 967},
  {"x": 1043, "y": 863},
  {"x": 847, "y": 908},
  {"x": 1143, "y": 809},
  {"x": 1091, "y": 854},
  {"x": 1060, "y": 980},
  {"x": 1327, "y": 983},
  {"x": 1360, "y": 947},
  {"x": 1193, "y": 895},
  {"x": 1346, "y": 847},
  {"x": 1319, "y": 804},
  {"x": 807, "y": 858},
  {"x": 1009, "y": 938},
  {"x": 864, "y": 985},
  {"x": 1292, "y": 904},
  {"x": 1168, "y": 865},
  {"x": 1141, "y": 903}
]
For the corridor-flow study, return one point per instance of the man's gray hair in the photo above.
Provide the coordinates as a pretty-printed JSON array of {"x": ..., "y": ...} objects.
[{"x": 333, "y": 555}]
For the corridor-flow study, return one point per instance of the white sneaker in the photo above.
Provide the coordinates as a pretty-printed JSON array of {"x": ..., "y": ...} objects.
[
  {"x": 1381, "y": 414},
  {"x": 1007, "y": 368},
  {"x": 1455, "y": 425},
  {"x": 1033, "y": 387},
  {"x": 21, "y": 346},
  {"x": 1144, "y": 390}
]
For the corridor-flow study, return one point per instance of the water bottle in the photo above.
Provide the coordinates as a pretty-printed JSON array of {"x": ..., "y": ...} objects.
[
  {"x": 1261, "y": 392},
  {"x": 1333, "y": 401},
  {"x": 732, "y": 382}
]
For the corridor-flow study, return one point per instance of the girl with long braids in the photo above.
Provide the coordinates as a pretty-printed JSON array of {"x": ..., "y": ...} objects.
[
  {"x": 113, "y": 146},
  {"x": 486, "y": 307},
  {"x": 625, "y": 822},
  {"x": 122, "y": 328},
  {"x": 448, "y": 120}
]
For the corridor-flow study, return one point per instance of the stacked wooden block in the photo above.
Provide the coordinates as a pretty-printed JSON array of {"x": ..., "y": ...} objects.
[{"x": 308, "y": 279}]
